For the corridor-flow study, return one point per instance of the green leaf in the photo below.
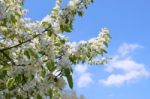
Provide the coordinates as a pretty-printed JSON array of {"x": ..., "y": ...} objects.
[
  {"x": 26, "y": 52},
  {"x": 38, "y": 96},
  {"x": 49, "y": 33},
  {"x": 80, "y": 13},
  {"x": 13, "y": 19},
  {"x": 3, "y": 71},
  {"x": 17, "y": 14},
  {"x": 45, "y": 24},
  {"x": 50, "y": 93},
  {"x": 67, "y": 20},
  {"x": 2, "y": 85},
  {"x": 66, "y": 28},
  {"x": 5, "y": 68},
  {"x": 18, "y": 78},
  {"x": 55, "y": 11},
  {"x": 21, "y": 79},
  {"x": 10, "y": 82},
  {"x": 51, "y": 65},
  {"x": 102, "y": 51},
  {"x": 31, "y": 76},
  {"x": 73, "y": 59},
  {"x": 4, "y": 21},
  {"x": 83, "y": 58},
  {"x": 63, "y": 41},
  {"x": 57, "y": 44},
  {"x": 70, "y": 81},
  {"x": 7, "y": 96},
  {"x": 42, "y": 72},
  {"x": 3, "y": 74},
  {"x": 33, "y": 53},
  {"x": 68, "y": 75}
]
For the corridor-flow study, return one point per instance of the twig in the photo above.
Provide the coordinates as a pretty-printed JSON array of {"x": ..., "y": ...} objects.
[{"x": 7, "y": 48}]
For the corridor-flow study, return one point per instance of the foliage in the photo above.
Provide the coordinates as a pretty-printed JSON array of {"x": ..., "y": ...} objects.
[{"x": 35, "y": 57}]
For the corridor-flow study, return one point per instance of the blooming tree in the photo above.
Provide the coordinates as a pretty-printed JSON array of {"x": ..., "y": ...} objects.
[{"x": 35, "y": 57}]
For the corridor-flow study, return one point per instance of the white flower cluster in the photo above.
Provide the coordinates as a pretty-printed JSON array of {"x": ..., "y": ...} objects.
[
  {"x": 98, "y": 43},
  {"x": 73, "y": 4},
  {"x": 2, "y": 9},
  {"x": 90, "y": 49}
]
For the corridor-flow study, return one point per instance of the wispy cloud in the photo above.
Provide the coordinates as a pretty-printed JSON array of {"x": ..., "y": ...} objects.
[
  {"x": 84, "y": 77},
  {"x": 81, "y": 68},
  {"x": 124, "y": 63},
  {"x": 126, "y": 48},
  {"x": 85, "y": 80}
]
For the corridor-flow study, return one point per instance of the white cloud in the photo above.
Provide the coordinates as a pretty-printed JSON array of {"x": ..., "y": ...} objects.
[
  {"x": 81, "y": 68},
  {"x": 127, "y": 64},
  {"x": 125, "y": 48},
  {"x": 84, "y": 78},
  {"x": 119, "y": 79},
  {"x": 131, "y": 69}
]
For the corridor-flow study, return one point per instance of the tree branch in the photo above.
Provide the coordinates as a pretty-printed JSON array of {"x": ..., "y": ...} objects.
[{"x": 7, "y": 48}]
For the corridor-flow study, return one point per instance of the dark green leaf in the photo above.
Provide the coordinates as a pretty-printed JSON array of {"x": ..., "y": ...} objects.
[
  {"x": 49, "y": 33},
  {"x": 66, "y": 28},
  {"x": 73, "y": 59},
  {"x": 80, "y": 13},
  {"x": 68, "y": 75},
  {"x": 38, "y": 96},
  {"x": 2, "y": 85},
  {"x": 63, "y": 41},
  {"x": 26, "y": 52},
  {"x": 10, "y": 82},
  {"x": 92, "y": 1},
  {"x": 70, "y": 81},
  {"x": 41, "y": 53}
]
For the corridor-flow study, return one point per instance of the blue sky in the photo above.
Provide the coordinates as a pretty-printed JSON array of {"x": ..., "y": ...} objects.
[{"x": 127, "y": 75}]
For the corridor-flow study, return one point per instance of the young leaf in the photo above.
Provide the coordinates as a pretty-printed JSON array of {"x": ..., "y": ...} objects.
[
  {"x": 50, "y": 65},
  {"x": 5, "y": 68},
  {"x": 45, "y": 24},
  {"x": 10, "y": 82},
  {"x": 33, "y": 53}
]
